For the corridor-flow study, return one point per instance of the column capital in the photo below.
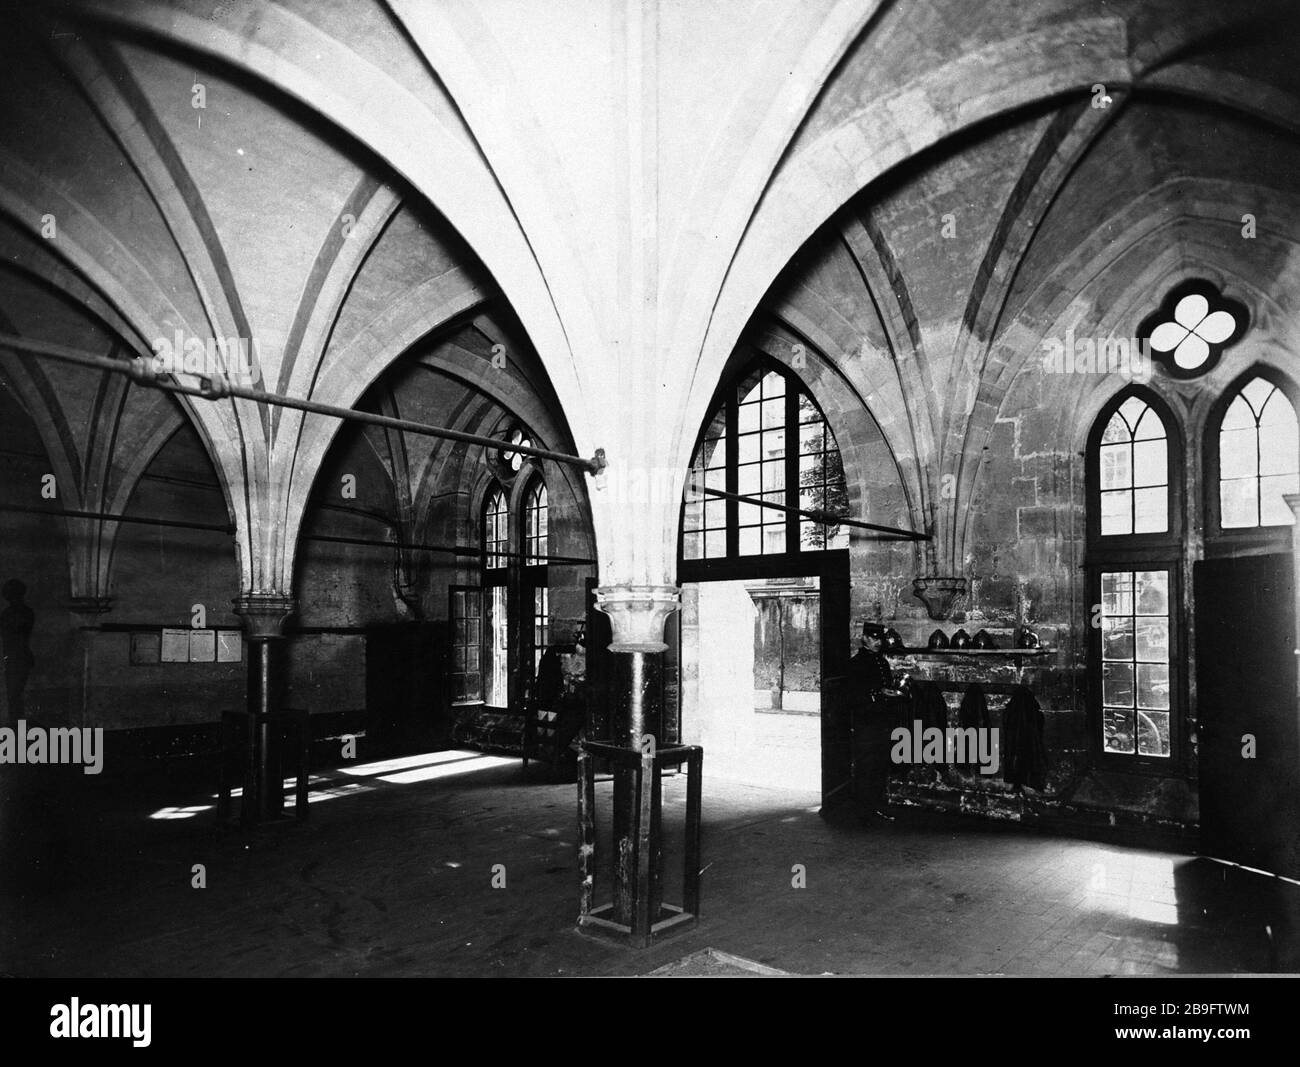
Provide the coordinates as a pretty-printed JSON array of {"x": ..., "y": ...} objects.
[
  {"x": 637, "y": 614},
  {"x": 264, "y": 614},
  {"x": 90, "y": 605}
]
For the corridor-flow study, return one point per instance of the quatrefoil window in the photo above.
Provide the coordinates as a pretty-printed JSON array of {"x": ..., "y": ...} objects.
[
  {"x": 1192, "y": 328},
  {"x": 511, "y": 459}
]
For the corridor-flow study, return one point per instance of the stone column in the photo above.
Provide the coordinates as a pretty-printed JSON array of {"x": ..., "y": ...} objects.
[
  {"x": 637, "y": 615},
  {"x": 86, "y": 610},
  {"x": 264, "y": 615}
]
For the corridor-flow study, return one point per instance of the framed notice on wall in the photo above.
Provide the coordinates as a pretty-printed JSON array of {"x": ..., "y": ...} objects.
[
  {"x": 176, "y": 646},
  {"x": 203, "y": 646},
  {"x": 230, "y": 646}
]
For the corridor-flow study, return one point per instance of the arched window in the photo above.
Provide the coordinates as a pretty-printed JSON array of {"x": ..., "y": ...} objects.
[
  {"x": 535, "y": 549},
  {"x": 1258, "y": 457},
  {"x": 1134, "y": 562},
  {"x": 1133, "y": 466},
  {"x": 767, "y": 440},
  {"x": 496, "y": 622},
  {"x": 496, "y": 531},
  {"x": 536, "y": 554}
]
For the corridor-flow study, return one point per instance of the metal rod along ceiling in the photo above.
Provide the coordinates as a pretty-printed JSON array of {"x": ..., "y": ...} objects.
[
  {"x": 826, "y": 518},
  {"x": 226, "y": 528},
  {"x": 142, "y": 373},
  {"x": 217, "y": 387}
]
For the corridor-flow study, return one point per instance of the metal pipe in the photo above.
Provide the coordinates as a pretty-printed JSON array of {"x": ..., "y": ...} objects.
[
  {"x": 826, "y": 518},
  {"x": 217, "y": 387},
  {"x": 69, "y": 513},
  {"x": 454, "y": 549},
  {"x": 458, "y": 550}
]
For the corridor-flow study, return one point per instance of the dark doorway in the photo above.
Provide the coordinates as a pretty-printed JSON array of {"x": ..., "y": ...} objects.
[{"x": 1246, "y": 696}]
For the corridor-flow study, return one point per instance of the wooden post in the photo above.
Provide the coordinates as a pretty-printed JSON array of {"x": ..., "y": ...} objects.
[{"x": 586, "y": 832}]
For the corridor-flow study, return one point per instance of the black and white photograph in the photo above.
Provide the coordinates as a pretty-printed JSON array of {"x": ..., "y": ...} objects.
[{"x": 650, "y": 488}]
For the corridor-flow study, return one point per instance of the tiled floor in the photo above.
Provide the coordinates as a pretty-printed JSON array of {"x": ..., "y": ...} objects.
[{"x": 393, "y": 873}]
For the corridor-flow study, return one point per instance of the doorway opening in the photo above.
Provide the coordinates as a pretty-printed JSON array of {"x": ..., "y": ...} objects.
[{"x": 753, "y": 664}]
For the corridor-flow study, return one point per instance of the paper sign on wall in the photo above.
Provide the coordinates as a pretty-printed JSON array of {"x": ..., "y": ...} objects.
[
  {"x": 176, "y": 646},
  {"x": 230, "y": 646},
  {"x": 203, "y": 646}
]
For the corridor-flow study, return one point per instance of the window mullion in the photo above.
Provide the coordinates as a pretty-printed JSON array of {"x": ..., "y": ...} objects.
[
  {"x": 792, "y": 542},
  {"x": 732, "y": 438}
]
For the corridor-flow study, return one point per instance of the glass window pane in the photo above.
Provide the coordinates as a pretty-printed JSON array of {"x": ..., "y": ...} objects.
[
  {"x": 1152, "y": 644},
  {"x": 715, "y": 544},
  {"x": 715, "y": 514},
  {"x": 773, "y": 539},
  {"x": 773, "y": 480},
  {"x": 750, "y": 514},
  {"x": 691, "y": 546},
  {"x": 808, "y": 410},
  {"x": 1116, "y": 514},
  {"x": 1152, "y": 593},
  {"x": 1279, "y": 445},
  {"x": 720, "y": 454},
  {"x": 1237, "y": 453},
  {"x": 1117, "y": 730},
  {"x": 1150, "y": 510},
  {"x": 1153, "y": 686},
  {"x": 1149, "y": 427},
  {"x": 692, "y": 517},
  {"x": 773, "y": 385},
  {"x": 774, "y": 444},
  {"x": 1239, "y": 503},
  {"x": 1117, "y": 684},
  {"x": 1238, "y": 416},
  {"x": 811, "y": 437},
  {"x": 747, "y": 479},
  {"x": 1273, "y": 508},
  {"x": 747, "y": 418},
  {"x": 1132, "y": 411},
  {"x": 1117, "y": 638},
  {"x": 1116, "y": 466},
  {"x": 497, "y": 648},
  {"x": 748, "y": 449},
  {"x": 773, "y": 413},
  {"x": 1117, "y": 593},
  {"x": 1117, "y": 431},
  {"x": 810, "y": 469},
  {"x": 1258, "y": 392},
  {"x": 750, "y": 541},
  {"x": 1150, "y": 463},
  {"x": 1153, "y": 733}
]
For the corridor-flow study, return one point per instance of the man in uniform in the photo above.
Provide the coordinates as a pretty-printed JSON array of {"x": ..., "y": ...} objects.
[{"x": 871, "y": 695}]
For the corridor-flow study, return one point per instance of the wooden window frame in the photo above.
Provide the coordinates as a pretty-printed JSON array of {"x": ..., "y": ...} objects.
[
  {"x": 1248, "y": 540},
  {"x": 1147, "y": 551}
]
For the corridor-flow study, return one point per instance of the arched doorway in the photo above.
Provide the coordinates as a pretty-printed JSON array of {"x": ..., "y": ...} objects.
[{"x": 765, "y": 591}]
